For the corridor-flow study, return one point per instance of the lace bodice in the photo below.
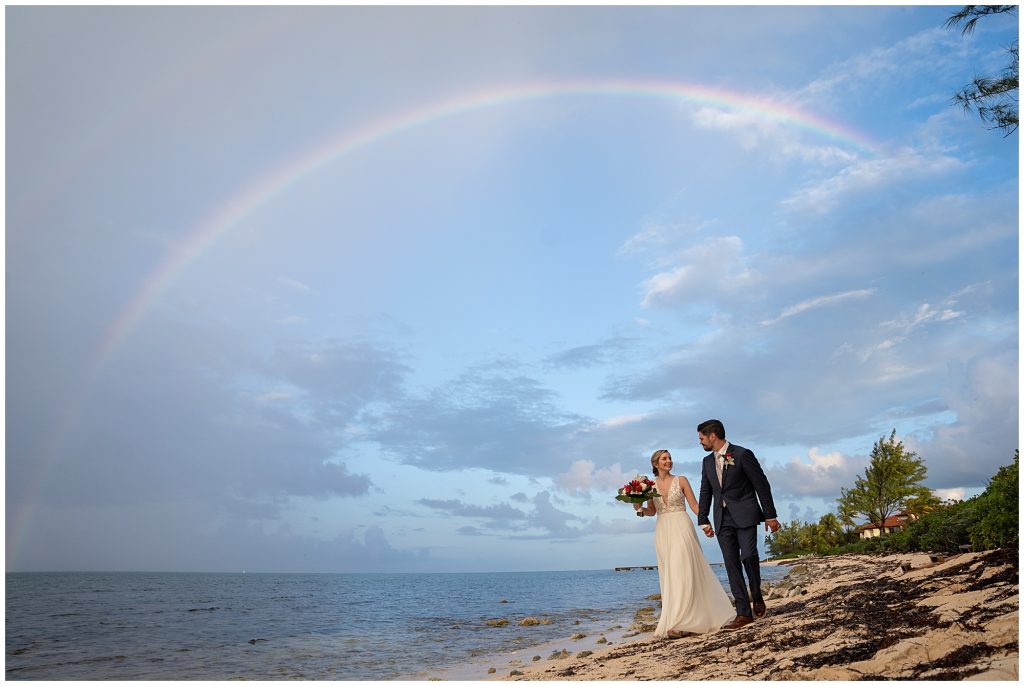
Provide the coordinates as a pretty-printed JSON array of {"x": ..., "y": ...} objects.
[{"x": 673, "y": 501}]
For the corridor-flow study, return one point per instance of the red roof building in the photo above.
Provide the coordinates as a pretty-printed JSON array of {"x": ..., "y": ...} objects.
[{"x": 896, "y": 522}]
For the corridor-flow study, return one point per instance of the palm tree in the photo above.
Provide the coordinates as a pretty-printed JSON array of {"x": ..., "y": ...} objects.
[{"x": 830, "y": 530}]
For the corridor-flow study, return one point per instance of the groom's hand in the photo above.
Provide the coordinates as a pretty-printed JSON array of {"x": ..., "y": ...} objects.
[
  {"x": 708, "y": 531},
  {"x": 772, "y": 524}
]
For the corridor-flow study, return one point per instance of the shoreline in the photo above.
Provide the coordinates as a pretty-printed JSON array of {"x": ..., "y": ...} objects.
[
  {"x": 628, "y": 630},
  {"x": 845, "y": 618}
]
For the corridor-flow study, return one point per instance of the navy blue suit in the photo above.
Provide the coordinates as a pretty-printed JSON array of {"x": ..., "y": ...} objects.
[{"x": 748, "y": 502}]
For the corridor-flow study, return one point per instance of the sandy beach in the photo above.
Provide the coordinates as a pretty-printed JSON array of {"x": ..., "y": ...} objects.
[{"x": 842, "y": 618}]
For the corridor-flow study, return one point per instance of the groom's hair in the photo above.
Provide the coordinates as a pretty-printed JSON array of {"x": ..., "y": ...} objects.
[{"x": 712, "y": 426}]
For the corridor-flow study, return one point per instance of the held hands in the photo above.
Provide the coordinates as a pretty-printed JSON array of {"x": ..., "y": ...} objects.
[
  {"x": 772, "y": 524},
  {"x": 708, "y": 531}
]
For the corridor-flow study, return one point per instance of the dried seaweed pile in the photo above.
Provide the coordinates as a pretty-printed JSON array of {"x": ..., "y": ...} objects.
[{"x": 870, "y": 606}]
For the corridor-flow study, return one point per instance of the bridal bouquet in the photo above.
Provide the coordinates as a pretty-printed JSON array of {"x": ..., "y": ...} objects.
[{"x": 640, "y": 489}]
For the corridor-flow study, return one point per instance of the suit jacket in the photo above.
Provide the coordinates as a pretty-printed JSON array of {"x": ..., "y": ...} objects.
[{"x": 743, "y": 485}]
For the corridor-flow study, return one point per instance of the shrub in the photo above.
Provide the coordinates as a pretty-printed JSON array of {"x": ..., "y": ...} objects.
[
  {"x": 945, "y": 529},
  {"x": 867, "y": 545},
  {"x": 902, "y": 541},
  {"x": 998, "y": 510}
]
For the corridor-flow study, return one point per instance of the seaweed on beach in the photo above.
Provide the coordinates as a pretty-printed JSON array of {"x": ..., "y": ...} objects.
[
  {"x": 960, "y": 663},
  {"x": 868, "y": 611}
]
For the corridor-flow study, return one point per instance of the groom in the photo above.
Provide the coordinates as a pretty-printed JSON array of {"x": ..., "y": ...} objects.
[{"x": 732, "y": 475}]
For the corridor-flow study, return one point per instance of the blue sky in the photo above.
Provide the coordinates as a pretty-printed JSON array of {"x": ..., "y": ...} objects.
[{"x": 235, "y": 343}]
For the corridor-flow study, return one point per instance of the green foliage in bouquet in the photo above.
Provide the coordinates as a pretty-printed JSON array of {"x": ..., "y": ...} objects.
[{"x": 639, "y": 490}]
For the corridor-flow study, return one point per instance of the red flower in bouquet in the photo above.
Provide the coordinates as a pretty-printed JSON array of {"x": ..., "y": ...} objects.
[{"x": 639, "y": 490}]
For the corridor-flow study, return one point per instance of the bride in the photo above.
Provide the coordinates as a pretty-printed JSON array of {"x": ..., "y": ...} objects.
[{"x": 692, "y": 598}]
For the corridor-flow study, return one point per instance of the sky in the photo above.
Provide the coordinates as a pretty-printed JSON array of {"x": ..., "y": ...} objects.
[{"x": 415, "y": 289}]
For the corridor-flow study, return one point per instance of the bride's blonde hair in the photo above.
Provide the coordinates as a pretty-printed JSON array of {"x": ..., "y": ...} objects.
[{"x": 654, "y": 459}]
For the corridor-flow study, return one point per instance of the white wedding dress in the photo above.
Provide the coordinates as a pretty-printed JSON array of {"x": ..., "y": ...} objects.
[{"x": 692, "y": 598}]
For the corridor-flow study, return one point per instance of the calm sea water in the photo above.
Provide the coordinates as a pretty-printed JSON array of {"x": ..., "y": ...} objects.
[{"x": 155, "y": 626}]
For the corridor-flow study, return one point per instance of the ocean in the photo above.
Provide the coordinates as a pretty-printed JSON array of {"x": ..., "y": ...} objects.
[{"x": 191, "y": 626}]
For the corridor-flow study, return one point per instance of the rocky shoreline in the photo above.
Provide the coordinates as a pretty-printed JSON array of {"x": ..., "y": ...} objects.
[{"x": 844, "y": 618}]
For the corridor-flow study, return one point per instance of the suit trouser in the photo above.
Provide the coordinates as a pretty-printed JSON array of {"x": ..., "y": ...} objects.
[{"x": 739, "y": 551}]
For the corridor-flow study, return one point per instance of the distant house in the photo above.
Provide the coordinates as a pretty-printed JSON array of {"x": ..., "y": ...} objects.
[{"x": 897, "y": 522}]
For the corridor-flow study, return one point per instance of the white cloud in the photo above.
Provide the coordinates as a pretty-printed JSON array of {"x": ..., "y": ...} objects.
[
  {"x": 658, "y": 237},
  {"x": 624, "y": 419},
  {"x": 294, "y": 284},
  {"x": 752, "y": 130},
  {"x": 820, "y": 474},
  {"x": 869, "y": 175},
  {"x": 924, "y": 315},
  {"x": 875, "y": 68},
  {"x": 903, "y": 327},
  {"x": 584, "y": 476},
  {"x": 717, "y": 266},
  {"x": 951, "y": 493},
  {"x": 822, "y": 301}
]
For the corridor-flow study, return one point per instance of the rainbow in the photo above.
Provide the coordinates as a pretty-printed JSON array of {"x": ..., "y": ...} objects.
[{"x": 251, "y": 197}]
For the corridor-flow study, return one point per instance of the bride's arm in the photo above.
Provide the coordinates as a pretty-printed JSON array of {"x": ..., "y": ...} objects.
[
  {"x": 648, "y": 508},
  {"x": 688, "y": 494}
]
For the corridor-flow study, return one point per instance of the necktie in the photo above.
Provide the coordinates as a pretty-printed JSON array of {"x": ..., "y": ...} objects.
[{"x": 719, "y": 464}]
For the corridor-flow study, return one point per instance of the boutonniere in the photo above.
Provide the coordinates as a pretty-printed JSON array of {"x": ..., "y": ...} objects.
[{"x": 727, "y": 460}]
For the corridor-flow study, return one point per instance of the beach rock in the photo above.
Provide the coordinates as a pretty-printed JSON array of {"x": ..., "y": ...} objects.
[
  {"x": 497, "y": 622},
  {"x": 602, "y": 640},
  {"x": 536, "y": 658},
  {"x": 585, "y": 653},
  {"x": 503, "y": 600},
  {"x": 559, "y": 655},
  {"x": 656, "y": 596},
  {"x": 642, "y": 617},
  {"x": 547, "y": 621},
  {"x": 529, "y": 621},
  {"x": 515, "y": 672},
  {"x": 577, "y": 636},
  {"x": 492, "y": 670}
]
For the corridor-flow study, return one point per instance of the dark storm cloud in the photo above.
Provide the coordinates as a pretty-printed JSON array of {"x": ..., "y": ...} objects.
[
  {"x": 176, "y": 414},
  {"x": 485, "y": 418}
]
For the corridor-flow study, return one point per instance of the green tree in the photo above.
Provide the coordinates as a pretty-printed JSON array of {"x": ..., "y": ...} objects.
[
  {"x": 847, "y": 516},
  {"x": 807, "y": 538},
  {"x": 785, "y": 541},
  {"x": 920, "y": 505},
  {"x": 829, "y": 531},
  {"x": 994, "y": 97},
  {"x": 893, "y": 477},
  {"x": 998, "y": 509}
]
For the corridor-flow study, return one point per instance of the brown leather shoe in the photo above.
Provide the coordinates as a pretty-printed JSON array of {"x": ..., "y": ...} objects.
[
  {"x": 759, "y": 608},
  {"x": 738, "y": 623}
]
